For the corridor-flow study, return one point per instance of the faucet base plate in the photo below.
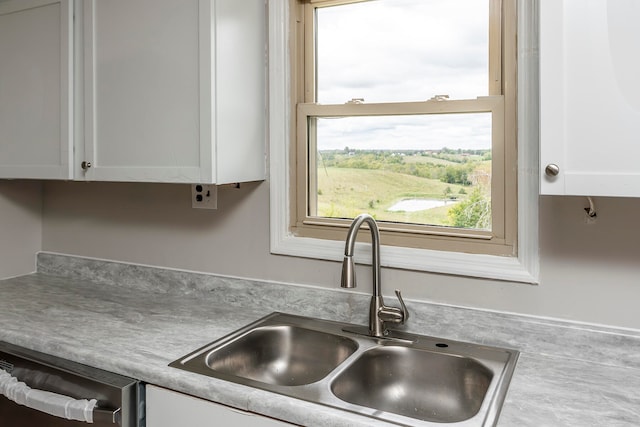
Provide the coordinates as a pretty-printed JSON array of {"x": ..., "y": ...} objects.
[{"x": 389, "y": 335}]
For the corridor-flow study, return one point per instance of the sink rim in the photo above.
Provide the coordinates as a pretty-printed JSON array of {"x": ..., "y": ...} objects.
[{"x": 500, "y": 361}]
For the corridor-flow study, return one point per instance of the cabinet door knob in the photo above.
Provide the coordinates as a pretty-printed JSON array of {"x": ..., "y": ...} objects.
[
  {"x": 85, "y": 165},
  {"x": 552, "y": 169}
]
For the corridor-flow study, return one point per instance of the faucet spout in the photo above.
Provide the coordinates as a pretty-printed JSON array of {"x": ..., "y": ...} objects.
[
  {"x": 378, "y": 312},
  {"x": 348, "y": 272}
]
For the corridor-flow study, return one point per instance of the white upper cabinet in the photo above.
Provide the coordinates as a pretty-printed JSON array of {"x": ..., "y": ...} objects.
[
  {"x": 174, "y": 90},
  {"x": 590, "y": 97},
  {"x": 36, "y": 107},
  {"x": 164, "y": 90}
]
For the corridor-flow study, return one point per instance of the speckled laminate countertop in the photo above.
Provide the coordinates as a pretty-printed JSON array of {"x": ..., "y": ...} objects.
[{"x": 135, "y": 320}]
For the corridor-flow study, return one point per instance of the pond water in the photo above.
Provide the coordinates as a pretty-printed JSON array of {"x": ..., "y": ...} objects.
[{"x": 415, "y": 205}]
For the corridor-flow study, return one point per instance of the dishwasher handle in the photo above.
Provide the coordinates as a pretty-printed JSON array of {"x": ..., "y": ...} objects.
[
  {"x": 107, "y": 416},
  {"x": 54, "y": 404}
]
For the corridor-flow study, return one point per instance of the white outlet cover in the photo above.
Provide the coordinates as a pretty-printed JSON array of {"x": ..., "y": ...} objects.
[{"x": 204, "y": 196}]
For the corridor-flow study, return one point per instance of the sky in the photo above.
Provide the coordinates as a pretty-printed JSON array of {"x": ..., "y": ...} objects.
[{"x": 403, "y": 50}]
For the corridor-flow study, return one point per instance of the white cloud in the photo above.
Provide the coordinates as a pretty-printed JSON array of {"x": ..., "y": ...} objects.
[
  {"x": 431, "y": 132},
  {"x": 404, "y": 50}
]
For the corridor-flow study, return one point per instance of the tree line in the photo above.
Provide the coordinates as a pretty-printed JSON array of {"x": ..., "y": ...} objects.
[{"x": 458, "y": 171}]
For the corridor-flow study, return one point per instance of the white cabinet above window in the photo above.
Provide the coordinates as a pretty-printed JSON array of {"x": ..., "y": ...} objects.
[
  {"x": 164, "y": 91},
  {"x": 590, "y": 97}
]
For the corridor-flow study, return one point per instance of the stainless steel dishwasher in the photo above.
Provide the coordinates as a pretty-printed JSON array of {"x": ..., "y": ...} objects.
[{"x": 51, "y": 385}]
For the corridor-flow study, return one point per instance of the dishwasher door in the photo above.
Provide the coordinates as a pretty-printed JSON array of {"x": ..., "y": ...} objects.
[{"x": 120, "y": 400}]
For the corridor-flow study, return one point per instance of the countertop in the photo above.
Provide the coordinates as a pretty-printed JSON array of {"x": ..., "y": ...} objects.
[{"x": 135, "y": 320}]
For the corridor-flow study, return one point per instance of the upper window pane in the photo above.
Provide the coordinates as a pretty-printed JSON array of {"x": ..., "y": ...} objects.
[{"x": 402, "y": 50}]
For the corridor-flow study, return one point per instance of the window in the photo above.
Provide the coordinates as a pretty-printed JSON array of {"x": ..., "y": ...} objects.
[
  {"x": 405, "y": 109},
  {"x": 298, "y": 235}
]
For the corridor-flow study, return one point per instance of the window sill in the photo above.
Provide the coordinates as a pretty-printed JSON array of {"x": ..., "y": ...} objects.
[{"x": 460, "y": 264}]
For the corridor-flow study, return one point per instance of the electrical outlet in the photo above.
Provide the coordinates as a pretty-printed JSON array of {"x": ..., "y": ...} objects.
[{"x": 204, "y": 196}]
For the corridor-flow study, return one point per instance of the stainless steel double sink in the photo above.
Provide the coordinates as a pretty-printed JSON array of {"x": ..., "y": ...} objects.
[{"x": 404, "y": 378}]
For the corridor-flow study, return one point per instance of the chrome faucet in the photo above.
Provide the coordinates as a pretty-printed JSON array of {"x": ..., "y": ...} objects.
[{"x": 379, "y": 314}]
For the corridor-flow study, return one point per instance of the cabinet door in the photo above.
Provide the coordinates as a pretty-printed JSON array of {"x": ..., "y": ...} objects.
[
  {"x": 147, "y": 91},
  {"x": 36, "y": 89},
  {"x": 165, "y": 408},
  {"x": 590, "y": 97}
]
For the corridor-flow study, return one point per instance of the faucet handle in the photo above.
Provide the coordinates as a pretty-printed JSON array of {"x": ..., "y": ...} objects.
[
  {"x": 394, "y": 314},
  {"x": 403, "y": 308}
]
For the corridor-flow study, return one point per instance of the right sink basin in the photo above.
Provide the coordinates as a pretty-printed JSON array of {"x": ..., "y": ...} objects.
[
  {"x": 406, "y": 379},
  {"x": 429, "y": 386}
]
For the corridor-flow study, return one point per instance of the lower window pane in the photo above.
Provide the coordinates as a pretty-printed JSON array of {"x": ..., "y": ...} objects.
[{"x": 420, "y": 169}]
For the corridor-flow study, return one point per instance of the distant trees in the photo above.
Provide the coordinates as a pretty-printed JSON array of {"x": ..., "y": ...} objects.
[
  {"x": 458, "y": 171},
  {"x": 458, "y": 174},
  {"x": 448, "y": 193}
]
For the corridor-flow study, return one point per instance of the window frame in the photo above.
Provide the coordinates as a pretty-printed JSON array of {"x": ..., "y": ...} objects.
[
  {"x": 500, "y": 102},
  {"x": 520, "y": 268}
]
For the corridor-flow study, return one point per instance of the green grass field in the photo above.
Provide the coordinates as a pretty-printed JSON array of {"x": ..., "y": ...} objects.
[{"x": 345, "y": 193}]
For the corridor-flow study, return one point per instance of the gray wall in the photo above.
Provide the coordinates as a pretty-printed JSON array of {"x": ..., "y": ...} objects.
[
  {"x": 589, "y": 272},
  {"x": 20, "y": 226}
]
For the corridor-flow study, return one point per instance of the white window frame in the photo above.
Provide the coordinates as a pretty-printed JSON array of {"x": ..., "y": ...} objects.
[{"x": 523, "y": 268}]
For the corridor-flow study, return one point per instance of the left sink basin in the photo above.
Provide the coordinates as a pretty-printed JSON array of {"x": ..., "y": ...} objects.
[
  {"x": 283, "y": 354},
  {"x": 279, "y": 355}
]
